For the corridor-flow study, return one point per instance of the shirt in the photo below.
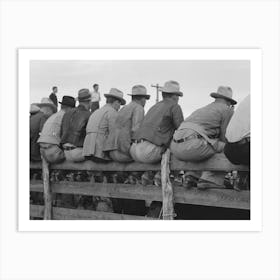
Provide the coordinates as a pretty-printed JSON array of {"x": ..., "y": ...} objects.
[
  {"x": 160, "y": 122},
  {"x": 53, "y": 98},
  {"x": 52, "y": 128},
  {"x": 95, "y": 96},
  {"x": 128, "y": 120},
  {"x": 239, "y": 125}
]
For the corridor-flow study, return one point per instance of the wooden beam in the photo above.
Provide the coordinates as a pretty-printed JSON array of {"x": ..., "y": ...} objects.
[
  {"x": 210, "y": 197},
  {"x": 167, "y": 190},
  {"x": 216, "y": 163},
  {"x": 47, "y": 190},
  {"x": 75, "y": 214}
]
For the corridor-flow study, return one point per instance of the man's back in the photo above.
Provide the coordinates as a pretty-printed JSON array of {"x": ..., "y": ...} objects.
[
  {"x": 160, "y": 123},
  {"x": 73, "y": 129}
]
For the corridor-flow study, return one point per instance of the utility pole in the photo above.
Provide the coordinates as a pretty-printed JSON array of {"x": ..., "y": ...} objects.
[{"x": 157, "y": 87}]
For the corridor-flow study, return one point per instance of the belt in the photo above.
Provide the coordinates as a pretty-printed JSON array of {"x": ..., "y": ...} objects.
[
  {"x": 243, "y": 141},
  {"x": 193, "y": 136},
  {"x": 138, "y": 141}
]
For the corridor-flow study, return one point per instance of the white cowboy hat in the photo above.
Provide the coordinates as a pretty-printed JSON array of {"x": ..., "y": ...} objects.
[
  {"x": 45, "y": 101},
  {"x": 114, "y": 92},
  {"x": 171, "y": 87},
  {"x": 139, "y": 90},
  {"x": 225, "y": 93}
]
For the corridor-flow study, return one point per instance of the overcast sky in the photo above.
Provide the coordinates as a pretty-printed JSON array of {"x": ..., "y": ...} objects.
[{"x": 197, "y": 78}]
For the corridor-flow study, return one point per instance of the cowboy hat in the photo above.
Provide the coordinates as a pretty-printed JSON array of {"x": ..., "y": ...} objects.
[
  {"x": 45, "y": 101},
  {"x": 225, "y": 93},
  {"x": 84, "y": 95},
  {"x": 139, "y": 90},
  {"x": 68, "y": 101},
  {"x": 172, "y": 87},
  {"x": 114, "y": 92},
  {"x": 34, "y": 108}
]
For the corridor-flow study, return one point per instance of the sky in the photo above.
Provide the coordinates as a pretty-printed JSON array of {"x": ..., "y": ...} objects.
[{"x": 197, "y": 78}]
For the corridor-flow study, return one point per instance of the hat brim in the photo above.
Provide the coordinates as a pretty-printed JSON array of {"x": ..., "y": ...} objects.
[
  {"x": 217, "y": 95},
  {"x": 123, "y": 101},
  {"x": 40, "y": 105},
  {"x": 179, "y": 93},
  {"x": 73, "y": 106},
  {"x": 147, "y": 96}
]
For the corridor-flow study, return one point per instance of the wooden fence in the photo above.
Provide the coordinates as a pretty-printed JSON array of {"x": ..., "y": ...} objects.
[{"x": 168, "y": 194}]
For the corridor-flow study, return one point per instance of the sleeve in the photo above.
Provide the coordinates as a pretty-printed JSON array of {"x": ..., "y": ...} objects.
[
  {"x": 177, "y": 116},
  {"x": 42, "y": 122},
  {"x": 225, "y": 121},
  {"x": 137, "y": 118}
]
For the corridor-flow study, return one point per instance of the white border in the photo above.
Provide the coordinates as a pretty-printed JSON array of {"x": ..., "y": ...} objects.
[{"x": 24, "y": 58}]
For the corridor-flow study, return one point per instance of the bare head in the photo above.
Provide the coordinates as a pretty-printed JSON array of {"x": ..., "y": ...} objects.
[
  {"x": 54, "y": 89},
  {"x": 96, "y": 87}
]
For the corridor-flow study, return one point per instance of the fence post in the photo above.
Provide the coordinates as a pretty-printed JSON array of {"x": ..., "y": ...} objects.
[
  {"x": 167, "y": 190},
  {"x": 47, "y": 190}
]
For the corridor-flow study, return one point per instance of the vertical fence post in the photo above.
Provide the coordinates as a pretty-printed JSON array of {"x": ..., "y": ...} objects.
[
  {"x": 47, "y": 190},
  {"x": 167, "y": 190}
]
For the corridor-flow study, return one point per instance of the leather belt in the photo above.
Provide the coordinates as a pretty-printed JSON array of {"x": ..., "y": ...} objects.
[{"x": 193, "y": 136}]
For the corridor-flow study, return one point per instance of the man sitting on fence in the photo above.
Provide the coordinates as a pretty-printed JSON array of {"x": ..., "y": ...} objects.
[
  {"x": 73, "y": 128},
  {"x": 50, "y": 136},
  {"x": 237, "y": 149},
  {"x": 47, "y": 108},
  {"x": 100, "y": 125},
  {"x": 202, "y": 134},
  {"x": 128, "y": 120}
]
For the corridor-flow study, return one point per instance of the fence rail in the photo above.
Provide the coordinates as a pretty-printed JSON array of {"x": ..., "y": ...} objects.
[{"x": 168, "y": 194}]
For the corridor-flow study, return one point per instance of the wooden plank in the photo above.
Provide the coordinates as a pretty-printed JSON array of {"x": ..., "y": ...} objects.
[
  {"x": 47, "y": 190},
  {"x": 167, "y": 190},
  {"x": 75, "y": 214},
  {"x": 211, "y": 197},
  {"x": 218, "y": 162}
]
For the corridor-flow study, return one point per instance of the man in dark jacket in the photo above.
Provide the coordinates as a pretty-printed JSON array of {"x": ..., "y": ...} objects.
[
  {"x": 73, "y": 130},
  {"x": 53, "y": 96},
  {"x": 155, "y": 133},
  {"x": 37, "y": 121}
]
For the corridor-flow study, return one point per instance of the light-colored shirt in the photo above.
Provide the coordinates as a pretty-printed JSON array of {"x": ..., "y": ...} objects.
[
  {"x": 239, "y": 125},
  {"x": 51, "y": 131},
  {"x": 95, "y": 96}
]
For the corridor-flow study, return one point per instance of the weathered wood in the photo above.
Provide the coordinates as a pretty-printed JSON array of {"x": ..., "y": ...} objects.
[
  {"x": 75, "y": 214},
  {"x": 167, "y": 190},
  {"x": 210, "y": 197},
  {"x": 216, "y": 163},
  {"x": 47, "y": 190}
]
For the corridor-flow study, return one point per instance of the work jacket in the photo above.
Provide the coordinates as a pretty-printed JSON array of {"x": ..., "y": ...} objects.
[
  {"x": 73, "y": 128},
  {"x": 160, "y": 123}
]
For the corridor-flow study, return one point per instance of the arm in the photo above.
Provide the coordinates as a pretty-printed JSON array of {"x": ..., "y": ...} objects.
[
  {"x": 177, "y": 116},
  {"x": 225, "y": 121},
  {"x": 137, "y": 118}
]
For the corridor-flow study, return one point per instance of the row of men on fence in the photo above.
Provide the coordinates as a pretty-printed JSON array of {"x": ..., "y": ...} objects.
[{"x": 127, "y": 135}]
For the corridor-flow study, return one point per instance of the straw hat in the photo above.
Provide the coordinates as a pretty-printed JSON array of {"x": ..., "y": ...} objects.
[
  {"x": 114, "y": 92},
  {"x": 171, "y": 87},
  {"x": 225, "y": 93},
  {"x": 45, "y": 101},
  {"x": 139, "y": 90}
]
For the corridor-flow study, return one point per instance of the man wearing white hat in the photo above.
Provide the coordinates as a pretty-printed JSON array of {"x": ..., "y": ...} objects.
[
  {"x": 155, "y": 133},
  {"x": 47, "y": 108},
  {"x": 128, "y": 120},
  {"x": 100, "y": 124},
  {"x": 202, "y": 134}
]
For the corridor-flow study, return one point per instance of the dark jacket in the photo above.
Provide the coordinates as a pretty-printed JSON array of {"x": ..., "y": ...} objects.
[
  {"x": 73, "y": 128},
  {"x": 36, "y": 124},
  {"x": 53, "y": 98},
  {"x": 160, "y": 123}
]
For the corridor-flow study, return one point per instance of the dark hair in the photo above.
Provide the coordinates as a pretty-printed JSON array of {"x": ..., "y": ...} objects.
[
  {"x": 111, "y": 99},
  {"x": 166, "y": 95},
  {"x": 95, "y": 85},
  {"x": 137, "y": 97},
  {"x": 53, "y": 88}
]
